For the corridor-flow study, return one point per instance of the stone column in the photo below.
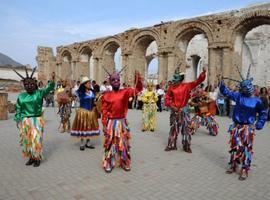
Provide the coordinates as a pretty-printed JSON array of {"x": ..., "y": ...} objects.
[
  {"x": 162, "y": 67},
  {"x": 95, "y": 70},
  {"x": 226, "y": 62},
  {"x": 171, "y": 65},
  {"x": 101, "y": 72},
  {"x": 124, "y": 73},
  {"x": 214, "y": 64}
]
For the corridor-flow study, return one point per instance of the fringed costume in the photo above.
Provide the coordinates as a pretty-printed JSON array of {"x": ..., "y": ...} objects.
[
  {"x": 30, "y": 120},
  {"x": 116, "y": 131},
  {"x": 149, "y": 118},
  {"x": 64, "y": 103},
  {"x": 204, "y": 113},
  {"x": 177, "y": 98},
  {"x": 249, "y": 114}
]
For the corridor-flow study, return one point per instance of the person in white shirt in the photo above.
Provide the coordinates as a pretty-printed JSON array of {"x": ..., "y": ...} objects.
[
  {"x": 160, "y": 92},
  {"x": 105, "y": 87}
]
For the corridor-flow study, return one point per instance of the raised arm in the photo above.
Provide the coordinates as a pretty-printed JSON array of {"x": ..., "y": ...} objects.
[
  {"x": 262, "y": 117},
  {"x": 138, "y": 85},
  {"x": 49, "y": 87},
  {"x": 198, "y": 81},
  {"x": 228, "y": 93}
]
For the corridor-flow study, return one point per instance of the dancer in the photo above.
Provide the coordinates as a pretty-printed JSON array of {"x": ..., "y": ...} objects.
[
  {"x": 85, "y": 125},
  {"x": 149, "y": 118},
  {"x": 177, "y": 98},
  {"x": 204, "y": 115},
  {"x": 64, "y": 99},
  {"x": 247, "y": 109},
  {"x": 29, "y": 117},
  {"x": 115, "y": 126}
]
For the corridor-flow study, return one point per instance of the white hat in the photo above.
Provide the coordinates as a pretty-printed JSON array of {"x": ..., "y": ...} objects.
[{"x": 85, "y": 79}]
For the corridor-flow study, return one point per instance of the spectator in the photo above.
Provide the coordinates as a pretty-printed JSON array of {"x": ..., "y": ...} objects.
[{"x": 160, "y": 93}]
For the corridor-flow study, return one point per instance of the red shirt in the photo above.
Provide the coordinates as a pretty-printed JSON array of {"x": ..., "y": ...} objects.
[
  {"x": 178, "y": 96},
  {"x": 115, "y": 104}
]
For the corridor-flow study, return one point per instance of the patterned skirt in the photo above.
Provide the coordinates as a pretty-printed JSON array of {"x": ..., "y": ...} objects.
[
  {"x": 241, "y": 142},
  {"x": 116, "y": 144},
  {"x": 31, "y": 135},
  {"x": 149, "y": 116},
  {"x": 85, "y": 124}
]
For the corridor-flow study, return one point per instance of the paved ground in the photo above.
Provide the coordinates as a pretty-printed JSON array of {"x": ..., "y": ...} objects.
[{"x": 68, "y": 173}]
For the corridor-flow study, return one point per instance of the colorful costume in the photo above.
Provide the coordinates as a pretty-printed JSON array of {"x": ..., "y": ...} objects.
[
  {"x": 85, "y": 124},
  {"x": 116, "y": 131},
  {"x": 149, "y": 112},
  {"x": 64, "y": 104},
  {"x": 31, "y": 122},
  {"x": 242, "y": 131},
  {"x": 204, "y": 114},
  {"x": 177, "y": 98}
]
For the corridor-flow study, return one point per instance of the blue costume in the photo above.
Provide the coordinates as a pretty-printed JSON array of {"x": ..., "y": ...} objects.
[
  {"x": 86, "y": 100},
  {"x": 85, "y": 124},
  {"x": 249, "y": 114}
]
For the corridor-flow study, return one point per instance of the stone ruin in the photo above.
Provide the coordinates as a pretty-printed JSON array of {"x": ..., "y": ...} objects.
[{"x": 219, "y": 41}]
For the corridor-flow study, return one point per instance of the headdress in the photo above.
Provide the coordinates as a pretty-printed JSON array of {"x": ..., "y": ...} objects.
[
  {"x": 150, "y": 85},
  {"x": 245, "y": 86},
  {"x": 27, "y": 75},
  {"x": 115, "y": 74},
  {"x": 178, "y": 76}
]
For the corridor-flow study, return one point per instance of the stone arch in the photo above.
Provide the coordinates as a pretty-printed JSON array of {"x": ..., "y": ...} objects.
[
  {"x": 85, "y": 62},
  {"x": 143, "y": 34},
  {"x": 115, "y": 40},
  {"x": 65, "y": 52},
  {"x": 185, "y": 32},
  {"x": 66, "y": 62},
  {"x": 182, "y": 36},
  {"x": 246, "y": 23},
  {"x": 139, "y": 45},
  {"x": 241, "y": 55},
  {"x": 107, "y": 52}
]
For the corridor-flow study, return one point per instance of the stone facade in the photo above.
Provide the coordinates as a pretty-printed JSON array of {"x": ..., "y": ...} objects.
[{"x": 224, "y": 32}]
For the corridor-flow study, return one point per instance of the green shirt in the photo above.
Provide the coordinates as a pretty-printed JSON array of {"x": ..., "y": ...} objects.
[{"x": 30, "y": 105}]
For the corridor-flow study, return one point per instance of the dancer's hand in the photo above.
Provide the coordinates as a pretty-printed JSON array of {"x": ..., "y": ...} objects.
[
  {"x": 204, "y": 69},
  {"x": 53, "y": 76}
]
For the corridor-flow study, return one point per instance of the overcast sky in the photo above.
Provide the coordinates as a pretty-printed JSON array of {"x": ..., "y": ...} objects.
[{"x": 26, "y": 24}]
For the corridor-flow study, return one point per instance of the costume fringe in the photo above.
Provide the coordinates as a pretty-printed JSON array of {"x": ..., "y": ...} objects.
[
  {"x": 116, "y": 144},
  {"x": 31, "y": 136},
  {"x": 241, "y": 142}
]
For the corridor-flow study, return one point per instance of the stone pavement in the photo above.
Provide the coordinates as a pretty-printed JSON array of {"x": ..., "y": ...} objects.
[{"x": 68, "y": 173}]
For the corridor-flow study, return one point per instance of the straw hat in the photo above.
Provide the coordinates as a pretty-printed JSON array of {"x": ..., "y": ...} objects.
[{"x": 85, "y": 79}]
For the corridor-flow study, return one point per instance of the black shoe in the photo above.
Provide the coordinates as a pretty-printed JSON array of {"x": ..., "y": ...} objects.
[
  {"x": 37, "y": 163},
  {"x": 82, "y": 148},
  {"x": 89, "y": 146},
  {"x": 152, "y": 130},
  {"x": 30, "y": 161}
]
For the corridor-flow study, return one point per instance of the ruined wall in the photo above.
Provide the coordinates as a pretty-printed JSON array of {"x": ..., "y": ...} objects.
[{"x": 225, "y": 34}]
